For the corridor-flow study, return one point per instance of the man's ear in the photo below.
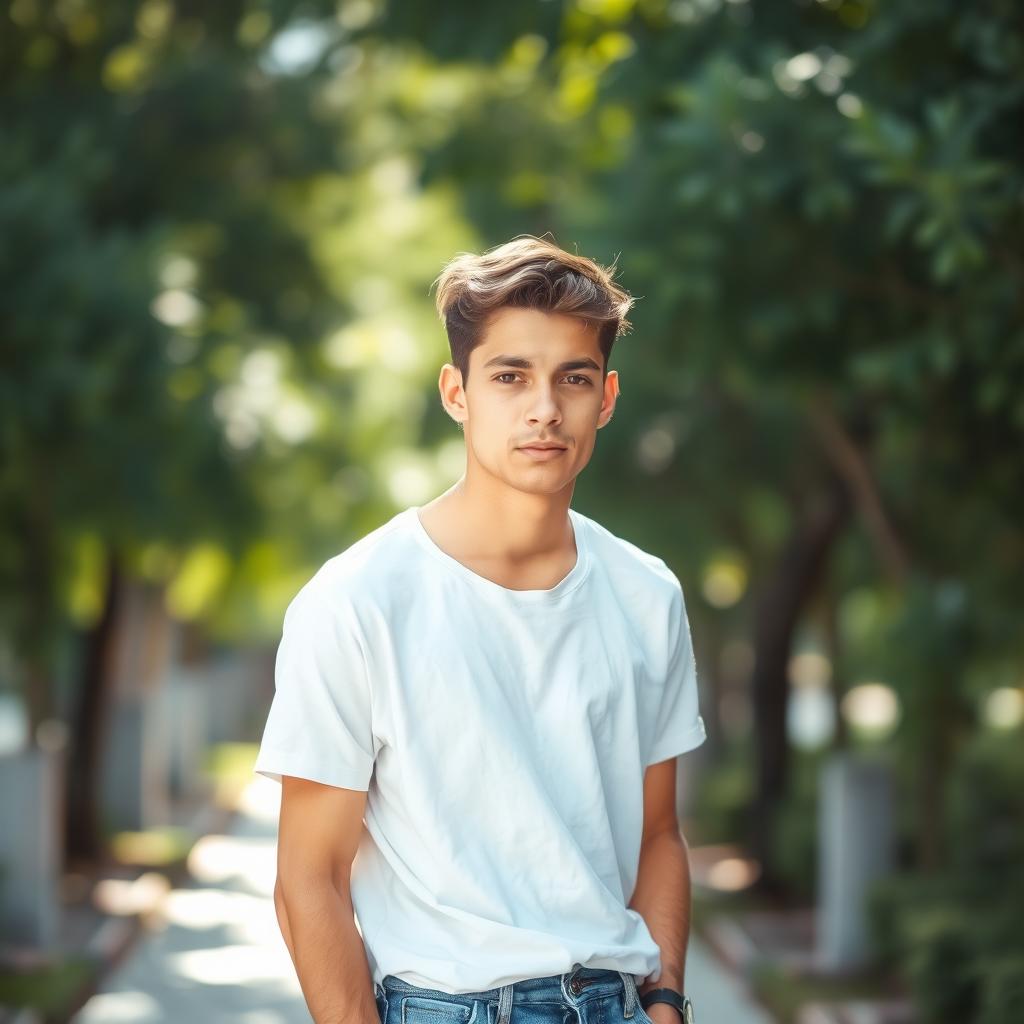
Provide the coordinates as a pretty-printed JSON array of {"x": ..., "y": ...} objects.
[
  {"x": 611, "y": 394},
  {"x": 453, "y": 394}
]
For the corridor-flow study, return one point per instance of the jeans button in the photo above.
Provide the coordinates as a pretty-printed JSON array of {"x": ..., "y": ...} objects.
[{"x": 575, "y": 986}]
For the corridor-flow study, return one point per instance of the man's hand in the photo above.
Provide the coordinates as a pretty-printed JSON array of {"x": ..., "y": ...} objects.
[
  {"x": 662, "y": 1013},
  {"x": 319, "y": 834},
  {"x": 662, "y": 892}
]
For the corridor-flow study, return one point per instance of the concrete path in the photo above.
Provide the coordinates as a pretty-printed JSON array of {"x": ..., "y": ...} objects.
[
  {"x": 717, "y": 995},
  {"x": 219, "y": 957}
]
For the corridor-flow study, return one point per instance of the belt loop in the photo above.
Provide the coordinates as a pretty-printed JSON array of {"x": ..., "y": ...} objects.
[
  {"x": 505, "y": 1004},
  {"x": 630, "y": 990}
]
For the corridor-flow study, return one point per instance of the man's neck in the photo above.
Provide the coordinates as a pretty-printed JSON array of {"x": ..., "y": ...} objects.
[{"x": 528, "y": 544}]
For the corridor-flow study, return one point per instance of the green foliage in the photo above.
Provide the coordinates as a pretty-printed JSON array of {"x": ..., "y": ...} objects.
[
  {"x": 795, "y": 839},
  {"x": 230, "y": 762},
  {"x": 720, "y": 803},
  {"x": 985, "y": 817},
  {"x": 785, "y": 992},
  {"x": 817, "y": 203},
  {"x": 1002, "y": 994},
  {"x": 960, "y": 947},
  {"x": 957, "y": 934},
  {"x": 53, "y": 990}
]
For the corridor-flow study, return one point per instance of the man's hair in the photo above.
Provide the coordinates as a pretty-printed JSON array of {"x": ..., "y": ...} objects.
[{"x": 532, "y": 273}]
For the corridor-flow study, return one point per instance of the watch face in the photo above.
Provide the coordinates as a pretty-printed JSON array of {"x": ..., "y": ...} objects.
[{"x": 688, "y": 1012}]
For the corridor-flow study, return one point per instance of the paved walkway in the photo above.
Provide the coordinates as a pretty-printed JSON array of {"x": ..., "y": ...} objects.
[
  {"x": 717, "y": 996},
  {"x": 220, "y": 958}
]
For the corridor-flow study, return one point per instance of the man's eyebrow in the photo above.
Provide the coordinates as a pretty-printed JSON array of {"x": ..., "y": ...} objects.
[{"x": 524, "y": 364}]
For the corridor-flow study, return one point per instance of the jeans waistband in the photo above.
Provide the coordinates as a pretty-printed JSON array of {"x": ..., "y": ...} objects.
[{"x": 574, "y": 986}]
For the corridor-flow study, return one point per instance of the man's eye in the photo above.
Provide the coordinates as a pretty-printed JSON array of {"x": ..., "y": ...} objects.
[{"x": 583, "y": 381}]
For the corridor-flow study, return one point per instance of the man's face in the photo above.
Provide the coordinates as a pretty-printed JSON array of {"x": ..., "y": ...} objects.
[{"x": 534, "y": 379}]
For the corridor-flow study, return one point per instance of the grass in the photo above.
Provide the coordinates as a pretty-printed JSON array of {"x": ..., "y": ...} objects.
[
  {"x": 229, "y": 767},
  {"x": 160, "y": 847},
  {"x": 783, "y": 992},
  {"x": 53, "y": 990}
]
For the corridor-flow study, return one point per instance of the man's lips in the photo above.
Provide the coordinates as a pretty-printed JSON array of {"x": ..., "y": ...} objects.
[{"x": 543, "y": 447}]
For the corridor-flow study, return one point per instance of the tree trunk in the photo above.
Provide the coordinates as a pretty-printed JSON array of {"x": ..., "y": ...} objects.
[
  {"x": 84, "y": 836},
  {"x": 934, "y": 767},
  {"x": 784, "y": 595}
]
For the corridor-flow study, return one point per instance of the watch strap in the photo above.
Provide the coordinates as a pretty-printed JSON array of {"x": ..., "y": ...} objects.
[{"x": 668, "y": 995}]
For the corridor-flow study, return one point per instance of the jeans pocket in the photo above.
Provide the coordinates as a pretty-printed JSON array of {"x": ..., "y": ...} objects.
[
  {"x": 381, "y": 998},
  {"x": 435, "y": 1010}
]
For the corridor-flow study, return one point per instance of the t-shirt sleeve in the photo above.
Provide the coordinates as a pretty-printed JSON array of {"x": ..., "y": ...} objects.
[
  {"x": 319, "y": 726},
  {"x": 679, "y": 727}
]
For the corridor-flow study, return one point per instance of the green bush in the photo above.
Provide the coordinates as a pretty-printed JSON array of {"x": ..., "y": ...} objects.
[
  {"x": 721, "y": 803},
  {"x": 985, "y": 806},
  {"x": 957, "y": 933},
  {"x": 959, "y": 944},
  {"x": 939, "y": 963},
  {"x": 795, "y": 835},
  {"x": 1002, "y": 993}
]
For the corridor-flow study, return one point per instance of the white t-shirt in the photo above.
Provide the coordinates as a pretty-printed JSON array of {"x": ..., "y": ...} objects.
[{"x": 502, "y": 736}]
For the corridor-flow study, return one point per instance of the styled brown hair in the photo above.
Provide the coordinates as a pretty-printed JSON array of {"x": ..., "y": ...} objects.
[{"x": 528, "y": 272}]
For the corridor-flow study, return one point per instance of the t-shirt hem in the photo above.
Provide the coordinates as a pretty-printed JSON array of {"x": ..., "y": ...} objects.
[
  {"x": 274, "y": 764},
  {"x": 672, "y": 746}
]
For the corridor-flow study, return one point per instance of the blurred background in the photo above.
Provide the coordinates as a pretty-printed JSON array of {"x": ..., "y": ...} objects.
[{"x": 219, "y": 224}]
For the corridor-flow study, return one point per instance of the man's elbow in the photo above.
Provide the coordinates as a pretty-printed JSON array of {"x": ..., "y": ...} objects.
[
  {"x": 298, "y": 890},
  {"x": 282, "y": 917}
]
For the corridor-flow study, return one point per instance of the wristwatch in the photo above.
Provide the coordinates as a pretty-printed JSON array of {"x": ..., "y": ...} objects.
[{"x": 668, "y": 995}]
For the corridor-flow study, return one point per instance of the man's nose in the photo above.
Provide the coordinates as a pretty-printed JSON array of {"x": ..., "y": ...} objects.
[{"x": 545, "y": 405}]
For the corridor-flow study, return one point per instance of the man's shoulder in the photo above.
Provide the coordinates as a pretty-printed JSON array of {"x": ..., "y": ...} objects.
[
  {"x": 623, "y": 558},
  {"x": 361, "y": 569}
]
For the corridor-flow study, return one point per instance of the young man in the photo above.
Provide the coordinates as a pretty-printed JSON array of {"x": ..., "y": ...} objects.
[{"x": 499, "y": 686}]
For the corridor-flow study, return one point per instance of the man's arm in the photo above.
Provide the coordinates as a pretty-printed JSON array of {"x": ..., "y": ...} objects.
[
  {"x": 320, "y": 828},
  {"x": 662, "y": 893}
]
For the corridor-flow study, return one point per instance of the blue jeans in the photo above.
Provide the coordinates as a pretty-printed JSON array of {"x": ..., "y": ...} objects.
[{"x": 584, "y": 995}]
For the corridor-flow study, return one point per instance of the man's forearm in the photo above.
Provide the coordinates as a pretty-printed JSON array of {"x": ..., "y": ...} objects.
[
  {"x": 319, "y": 928},
  {"x": 662, "y": 898}
]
